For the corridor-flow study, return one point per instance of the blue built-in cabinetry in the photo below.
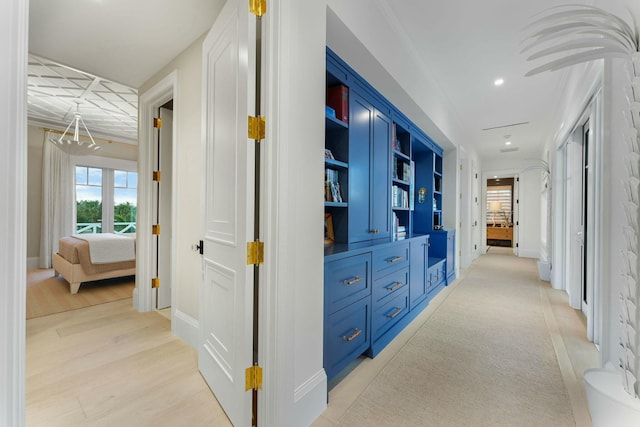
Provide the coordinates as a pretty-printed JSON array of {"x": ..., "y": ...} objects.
[{"x": 386, "y": 253}]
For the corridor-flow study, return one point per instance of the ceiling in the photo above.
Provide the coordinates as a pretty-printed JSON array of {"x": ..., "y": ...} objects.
[
  {"x": 464, "y": 44},
  {"x": 483, "y": 43},
  {"x": 98, "y": 52},
  {"x": 54, "y": 93}
]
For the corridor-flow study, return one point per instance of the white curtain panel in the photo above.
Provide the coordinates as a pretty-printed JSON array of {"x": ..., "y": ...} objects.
[{"x": 57, "y": 200}]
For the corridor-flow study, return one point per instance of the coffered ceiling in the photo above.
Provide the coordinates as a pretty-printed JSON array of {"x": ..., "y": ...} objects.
[{"x": 54, "y": 93}]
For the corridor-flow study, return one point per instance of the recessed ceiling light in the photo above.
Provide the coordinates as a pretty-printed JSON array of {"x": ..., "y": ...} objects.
[
  {"x": 498, "y": 82},
  {"x": 507, "y": 143}
]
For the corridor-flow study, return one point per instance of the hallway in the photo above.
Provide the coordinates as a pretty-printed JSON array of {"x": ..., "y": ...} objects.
[
  {"x": 109, "y": 365},
  {"x": 498, "y": 347}
]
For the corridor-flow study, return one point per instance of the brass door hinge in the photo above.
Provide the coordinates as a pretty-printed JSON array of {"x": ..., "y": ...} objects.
[
  {"x": 157, "y": 176},
  {"x": 155, "y": 283},
  {"x": 255, "y": 253},
  {"x": 155, "y": 229},
  {"x": 157, "y": 122},
  {"x": 257, "y": 127},
  {"x": 258, "y": 7},
  {"x": 253, "y": 378}
]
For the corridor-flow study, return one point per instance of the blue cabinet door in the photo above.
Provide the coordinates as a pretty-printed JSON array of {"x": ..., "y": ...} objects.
[
  {"x": 369, "y": 134},
  {"x": 451, "y": 255},
  {"x": 361, "y": 114},
  {"x": 419, "y": 253},
  {"x": 380, "y": 214},
  {"x": 443, "y": 245}
]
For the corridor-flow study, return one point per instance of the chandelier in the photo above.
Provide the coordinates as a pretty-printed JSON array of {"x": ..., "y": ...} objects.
[{"x": 75, "y": 146}]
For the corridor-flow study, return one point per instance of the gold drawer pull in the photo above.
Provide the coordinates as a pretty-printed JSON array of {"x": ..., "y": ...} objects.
[
  {"x": 395, "y": 313},
  {"x": 353, "y": 336},
  {"x": 394, "y": 286},
  {"x": 352, "y": 281},
  {"x": 374, "y": 231},
  {"x": 395, "y": 259}
]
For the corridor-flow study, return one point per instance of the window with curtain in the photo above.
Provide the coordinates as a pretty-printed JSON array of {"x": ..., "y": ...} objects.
[
  {"x": 499, "y": 205},
  {"x": 105, "y": 200}
]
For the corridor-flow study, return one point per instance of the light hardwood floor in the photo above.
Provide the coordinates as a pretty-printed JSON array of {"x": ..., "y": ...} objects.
[{"x": 109, "y": 365}]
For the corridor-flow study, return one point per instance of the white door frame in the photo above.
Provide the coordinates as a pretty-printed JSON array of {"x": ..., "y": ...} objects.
[
  {"x": 163, "y": 91},
  {"x": 509, "y": 173},
  {"x": 13, "y": 221},
  {"x": 559, "y": 219},
  {"x": 466, "y": 227},
  {"x": 476, "y": 210},
  {"x": 566, "y": 259}
]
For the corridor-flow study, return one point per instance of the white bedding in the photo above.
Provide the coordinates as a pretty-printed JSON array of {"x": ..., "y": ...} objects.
[{"x": 105, "y": 248}]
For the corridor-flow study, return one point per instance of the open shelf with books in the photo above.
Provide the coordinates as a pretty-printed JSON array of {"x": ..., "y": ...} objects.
[
  {"x": 437, "y": 192},
  {"x": 336, "y": 161}
]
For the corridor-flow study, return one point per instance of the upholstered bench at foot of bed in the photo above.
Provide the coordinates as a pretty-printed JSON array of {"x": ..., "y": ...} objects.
[{"x": 75, "y": 275}]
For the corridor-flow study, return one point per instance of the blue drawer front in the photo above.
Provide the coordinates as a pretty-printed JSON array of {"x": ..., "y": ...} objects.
[
  {"x": 390, "y": 258},
  {"x": 346, "y": 336},
  {"x": 389, "y": 313},
  {"x": 390, "y": 285},
  {"x": 346, "y": 280}
]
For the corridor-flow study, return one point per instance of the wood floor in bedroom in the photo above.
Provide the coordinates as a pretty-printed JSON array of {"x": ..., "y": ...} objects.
[{"x": 109, "y": 365}]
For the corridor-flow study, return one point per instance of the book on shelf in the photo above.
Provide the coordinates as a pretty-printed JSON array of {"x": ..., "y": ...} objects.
[
  {"x": 338, "y": 99},
  {"x": 332, "y": 192},
  {"x": 399, "y": 197},
  {"x": 406, "y": 171},
  {"x": 399, "y": 231},
  {"x": 411, "y": 185}
]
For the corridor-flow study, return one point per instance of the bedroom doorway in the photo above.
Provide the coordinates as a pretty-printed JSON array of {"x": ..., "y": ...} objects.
[{"x": 162, "y": 206}]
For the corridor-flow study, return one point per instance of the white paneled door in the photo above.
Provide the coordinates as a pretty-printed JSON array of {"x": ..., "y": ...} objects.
[{"x": 226, "y": 295}]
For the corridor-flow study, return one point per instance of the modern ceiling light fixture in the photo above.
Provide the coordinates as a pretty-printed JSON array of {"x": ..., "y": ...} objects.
[
  {"x": 75, "y": 146},
  {"x": 498, "y": 82}
]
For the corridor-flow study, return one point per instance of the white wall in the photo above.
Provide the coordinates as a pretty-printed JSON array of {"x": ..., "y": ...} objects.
[
  {"x": 470, "y": 223},
  {"x": 294, "y": 250},
  {"x": 530, "y": 197}
]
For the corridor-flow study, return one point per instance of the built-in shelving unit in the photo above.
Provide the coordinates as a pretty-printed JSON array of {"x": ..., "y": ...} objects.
[{"x": 388, "y": 255}]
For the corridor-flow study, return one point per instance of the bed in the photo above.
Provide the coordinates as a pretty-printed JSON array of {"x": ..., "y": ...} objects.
[{"x": 74, "y": 260}]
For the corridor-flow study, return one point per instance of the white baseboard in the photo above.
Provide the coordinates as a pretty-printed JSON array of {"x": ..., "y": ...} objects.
[
  {"x": 528, "y": 253},
  {"x": 185, "y": 327},
  {"x": 310, "y": 399},
  {"x": 33, "y": 263}
]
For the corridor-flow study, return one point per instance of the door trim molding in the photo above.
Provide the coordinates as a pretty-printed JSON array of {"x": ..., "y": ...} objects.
[
  {"x": 13, "y": 193},
  {"x": 163, "y": 91}
]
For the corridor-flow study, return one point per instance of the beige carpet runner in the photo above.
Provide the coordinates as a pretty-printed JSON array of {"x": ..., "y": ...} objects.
[
  {"x": 468, "y": 366},
  {"x": 47, "y": 294}
]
